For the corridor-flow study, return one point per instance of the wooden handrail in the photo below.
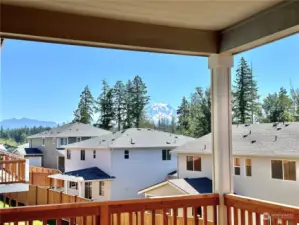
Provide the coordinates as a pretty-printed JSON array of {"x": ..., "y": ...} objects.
[
  {"x": 12, "y": 170},
  {"x": 238, "y": 205},
  {"x": 103, "y": 212},
  {"x": 12, "y": 161}
]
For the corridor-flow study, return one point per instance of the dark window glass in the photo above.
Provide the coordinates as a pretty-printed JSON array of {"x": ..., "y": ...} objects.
[
  {"x": 82, "y": 154},
  {"x": 127, "y": 154},
  {"x": 94, "y": 154},
  {"x": 68, "y": 154},
  {"x": 189, "y": 163},
  {"x": 197, "y": 163},
  {"x": 101, "y": 188},
  {"x": 248, "y": 167},
  {"x": 166, "y": 154},
  {"x": 289, "y": 170},
  {"x": 276, "y": 167}
]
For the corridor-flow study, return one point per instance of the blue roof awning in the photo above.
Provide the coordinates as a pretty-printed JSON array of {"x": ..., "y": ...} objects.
[{"x": 92, "y": 173}]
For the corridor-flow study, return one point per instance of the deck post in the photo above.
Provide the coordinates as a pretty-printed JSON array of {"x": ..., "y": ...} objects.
[{"x": 221, "y": 112}]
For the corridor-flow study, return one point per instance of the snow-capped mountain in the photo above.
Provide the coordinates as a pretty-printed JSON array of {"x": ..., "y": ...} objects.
[{"x": 158, "y": 111}]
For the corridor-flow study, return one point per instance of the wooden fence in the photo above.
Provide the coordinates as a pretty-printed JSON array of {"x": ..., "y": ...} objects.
[
  {"x": 41, "y": 196},
  {"x": 39, "y": 176}
]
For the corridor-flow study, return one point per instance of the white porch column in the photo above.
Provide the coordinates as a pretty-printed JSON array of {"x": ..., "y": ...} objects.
[
  {"x": 55, "y": 184},
  {"x": 81, "y": 189},
  {"x": 66, "y": 184},
  {"x": 221, "y": 110}
]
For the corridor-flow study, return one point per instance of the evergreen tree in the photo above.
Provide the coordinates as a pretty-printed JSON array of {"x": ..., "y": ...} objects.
[
  {"x": 146, "y": 122},
  {"x": 245, "y": 94},
  {"x": 139, "y": 99},
  {"x": 128, "y": 107},
  {"x": 84, "y": 112},
  {"x": 119, "y": 103},
  {"x": 278, "y": 106},
  {"x": 183, "y": 115},
  {"x": 295, "y": 99},
  {"x": 173, "y": 124},
  {"x": 105, "y": 107},
  {"x": 205, "y": 121}
]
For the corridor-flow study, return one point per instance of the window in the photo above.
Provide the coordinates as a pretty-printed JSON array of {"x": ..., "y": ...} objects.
[
  {"x": 30, "y": 143},
  {"x": 193, "y": 163},
  {"x": 166, "y": 154},
  {"x": 237, "y": 167},
  {"x": 283, "y": 169},
  {"x": 82, "y": 154},
  {"x": 101, "y": 188},
  {"x": 73, "y": 185},
  {"x": 127, "y": 156},
  {"x": 68, "y": 154},
  {"x": 43, "y": 142},
  {"x": 94, "y": 154},
  {"x": 78, "y": 139},
  {"x": 248, "y": 167},
  {"x": 88, "y": 190}
]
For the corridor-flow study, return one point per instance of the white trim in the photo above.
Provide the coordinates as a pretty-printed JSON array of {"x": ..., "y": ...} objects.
[{"x": 152, "y": 187}]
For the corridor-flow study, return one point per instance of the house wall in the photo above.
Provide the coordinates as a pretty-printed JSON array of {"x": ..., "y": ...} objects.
[
  {"x": 35, "y": 160},
  {"x": 206, "y": 167},
  {"x": 50, "y": 155},
  {"x": 165, "y": 190},
  {"x": 102, "y": 160},
  {"x": 144, "y": 168},
  {"x": 259, "y": 185}
]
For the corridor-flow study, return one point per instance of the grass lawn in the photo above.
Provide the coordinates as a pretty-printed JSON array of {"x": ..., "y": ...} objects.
[{"x": 36, "y": 222}]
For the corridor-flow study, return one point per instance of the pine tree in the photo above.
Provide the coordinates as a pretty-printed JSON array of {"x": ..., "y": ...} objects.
[
  {"x": 139, "y": 99},
  {"x": 204, "y": 126},
  {"x": 128, "y": 107},
  {"x": 295, "y": 97},
  {"x": 84, "y": 112},
  {"x": 119, "y": 103},
  {"x": 173, "y": 124},
  {"x": 105, "y": 107},
  {"x": 183, "y": 115},
  {"x": 245, "y": 94}
]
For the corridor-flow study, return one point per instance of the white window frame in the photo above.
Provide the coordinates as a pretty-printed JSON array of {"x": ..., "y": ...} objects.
[
  {"x": 168, "y": 155},
  {"x": 193, "y": 161},
  {"x": 73, "y": 185},
  {"x": 43, "y": 141},
  {"x": 282, "y": 160},
  {"x": 68, "y": 154},
  {"x": 237, "y": 166}
]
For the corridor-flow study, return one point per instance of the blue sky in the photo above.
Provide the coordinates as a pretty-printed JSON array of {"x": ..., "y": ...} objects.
[{"x": 44, "y": 81}]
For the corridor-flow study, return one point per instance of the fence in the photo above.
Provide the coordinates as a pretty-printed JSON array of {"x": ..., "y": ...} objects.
[
  {"x": 42, "y": 196},
  {"x": 12, "y": 169},
  {"x": 39, "y": 176}
]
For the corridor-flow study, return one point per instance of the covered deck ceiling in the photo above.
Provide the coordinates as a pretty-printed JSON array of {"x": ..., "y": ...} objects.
[{"x": 197, "y": 27}]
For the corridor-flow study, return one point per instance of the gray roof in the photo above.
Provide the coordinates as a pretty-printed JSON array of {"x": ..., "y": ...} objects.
[
  {"x": 72, "y": 130},
  {"x": 134, "y": 138},
  {"x": 256, "y": 139}
]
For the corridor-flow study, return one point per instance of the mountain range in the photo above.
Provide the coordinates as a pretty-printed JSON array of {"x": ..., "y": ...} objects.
[
  {"x": 25, "y": 122},
  {"x": 154, "y": 111}
]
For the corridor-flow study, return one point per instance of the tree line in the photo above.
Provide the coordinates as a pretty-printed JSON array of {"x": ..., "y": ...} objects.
[
  {"x": 19, "y": 135},
  {"x": 194, "y": 113},
  {"x": 121, "y": 105}
]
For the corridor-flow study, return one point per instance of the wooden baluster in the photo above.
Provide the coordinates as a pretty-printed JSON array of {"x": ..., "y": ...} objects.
[
  {"x": 257, "y": 219},
  {"x": 249, "y": 218},
  {"x": 242, "y": 216},
  {"x": 71, "y": 221},
  {"x": 205, "y": 215},
  {"x": 142, "y": 217},
  {"x": 84, "y": 220},
  {"x": 30, "y": 222},
  {"x": 195, "y": 217},
  {"x": 229, "y": 215},
  {"x": 236, "y": 216},
  {"x": 58, "y": 221},
  {"x": 165, "y": 217},
  {"x": 153, "y": 217},
  {"x": 118, "y": 219},
  {"x": 44, "y": 222},
  {"x": 215, "y": 216},
  {"x": 185, "y": 216},
  {"x": 175, "y": 216},
  {"x": 284, "y": 222},
  {"x": 130, "y": 218}
]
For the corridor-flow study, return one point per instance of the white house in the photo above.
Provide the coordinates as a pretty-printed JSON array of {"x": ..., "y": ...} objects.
[
  {"x": 117, "y": 165},
  {"x": 34, "y": 155},
  {"x": 265, "y": 159}
]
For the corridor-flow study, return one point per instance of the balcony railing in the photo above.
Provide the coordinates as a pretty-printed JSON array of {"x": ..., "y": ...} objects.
[
  {"x": 172, "y": 210},
  {"x": 158, "y": 211},
  {"x": 244, "y": 210},
  {"x": 12, "y": 169}
]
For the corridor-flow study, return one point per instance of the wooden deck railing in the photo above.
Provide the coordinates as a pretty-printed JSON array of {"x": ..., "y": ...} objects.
[
  {"x": 12, "y": 169},
  {"x": 244, "y": 210},
  {"x": 129, "y": 212},
  {"x": 39, "y": 176}
]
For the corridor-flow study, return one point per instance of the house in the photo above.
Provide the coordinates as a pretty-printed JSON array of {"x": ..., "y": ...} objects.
[
  {"x": 34, "y": 155},
  {"x": 50, "y": 142},
  {"x": 265, "y": 162},
  {"x": 119, "y": 164}
]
